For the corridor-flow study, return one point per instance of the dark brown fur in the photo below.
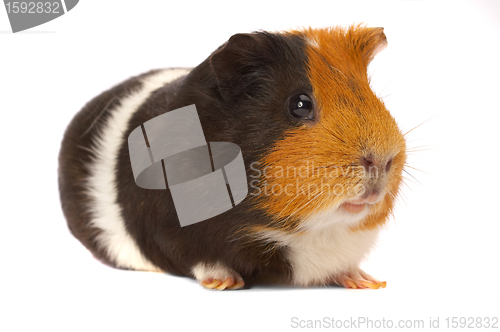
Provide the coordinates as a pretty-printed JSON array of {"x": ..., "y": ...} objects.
[
  {"x": 76, "y": 152},
  {"x": 240, "y": 93}
]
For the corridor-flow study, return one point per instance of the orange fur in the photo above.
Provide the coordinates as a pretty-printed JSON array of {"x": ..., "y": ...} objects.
[{"x": 350, "y": 122}]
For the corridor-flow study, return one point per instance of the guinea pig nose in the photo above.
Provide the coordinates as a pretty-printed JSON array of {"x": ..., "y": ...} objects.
[
  {"x": 367, "y": 162},
  {"x": 370, "y": 164},
  {"x": 388, "y": 165}
]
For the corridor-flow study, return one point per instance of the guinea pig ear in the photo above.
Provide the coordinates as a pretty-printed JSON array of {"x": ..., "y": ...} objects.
[
  {"x": 375, "y": 43},
  {"x": 231, "y": 60}
]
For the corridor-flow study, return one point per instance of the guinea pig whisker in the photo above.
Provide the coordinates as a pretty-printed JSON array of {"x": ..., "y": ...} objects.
[
  {"x": 399, "y": 198},
  {"x": 284, "y": 209},
  {"x": 429, "y": 147},
  {"x": 323, "y": 201},
  {"x": 404, "y": 170},
  {"x": 391, "y": 194},
  {"x": 386, "y": 95},
  {"x": 409, "y": 180},
  {"x": 303, "y": 206},
  {"x": 409, "y": 131},
  {"x": 406, "y": 165},
  {"x": 405, "y": 178},
  {"x": 403, "y": 196},
  {"x": 319, "y": 204},
  {"x": 416, "y": 151}
]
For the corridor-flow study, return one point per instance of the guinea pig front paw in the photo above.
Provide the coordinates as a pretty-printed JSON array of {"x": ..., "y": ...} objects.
[
  {"x": 358, "y": 279},
  {"x": 228, "y": 283},
  {"x": 217, "y": 276}
]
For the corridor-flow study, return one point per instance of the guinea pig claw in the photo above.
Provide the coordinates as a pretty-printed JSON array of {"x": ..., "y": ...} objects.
[
  {"x": 212, "y": 284},
  {"x": 228, "y": 283},
  {"x": 358, "y": 279},
  {"x": 369, "y": 284},
  {"x": 217, "y": 276},
  {"x": 368, "y": 278},
  {"x": 237, "y": 285},
  {"x": 350, "y": 284}
]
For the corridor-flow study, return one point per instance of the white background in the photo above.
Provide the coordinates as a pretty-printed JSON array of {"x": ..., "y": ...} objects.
[{"x": 439, "y": 253}]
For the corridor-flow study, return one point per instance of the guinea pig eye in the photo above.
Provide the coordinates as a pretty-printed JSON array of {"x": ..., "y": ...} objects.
[{"x": 301, "y": 107}]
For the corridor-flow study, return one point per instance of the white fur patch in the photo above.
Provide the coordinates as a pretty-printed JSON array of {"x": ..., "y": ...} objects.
[
  {"x": 326, "y": 247},
  {"x": 219, "y": 271},
  {"x": 105, "y": 210}
]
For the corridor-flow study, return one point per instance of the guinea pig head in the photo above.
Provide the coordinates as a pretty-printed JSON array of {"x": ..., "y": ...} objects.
[{"x": 328, "y": 149}]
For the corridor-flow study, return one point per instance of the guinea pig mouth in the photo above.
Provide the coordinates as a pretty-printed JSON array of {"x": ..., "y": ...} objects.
[
  {"x": 358, "y": 205},
  {"x": 353, "y": 208}
]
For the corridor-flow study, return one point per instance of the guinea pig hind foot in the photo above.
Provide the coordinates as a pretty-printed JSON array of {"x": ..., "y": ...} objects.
[
  {"x": 358, "y": 279},
  {"x": 217, "y": 276}
]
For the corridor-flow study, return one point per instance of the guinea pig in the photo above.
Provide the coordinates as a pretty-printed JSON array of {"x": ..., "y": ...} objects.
[{"x": 322, "y": 154}]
